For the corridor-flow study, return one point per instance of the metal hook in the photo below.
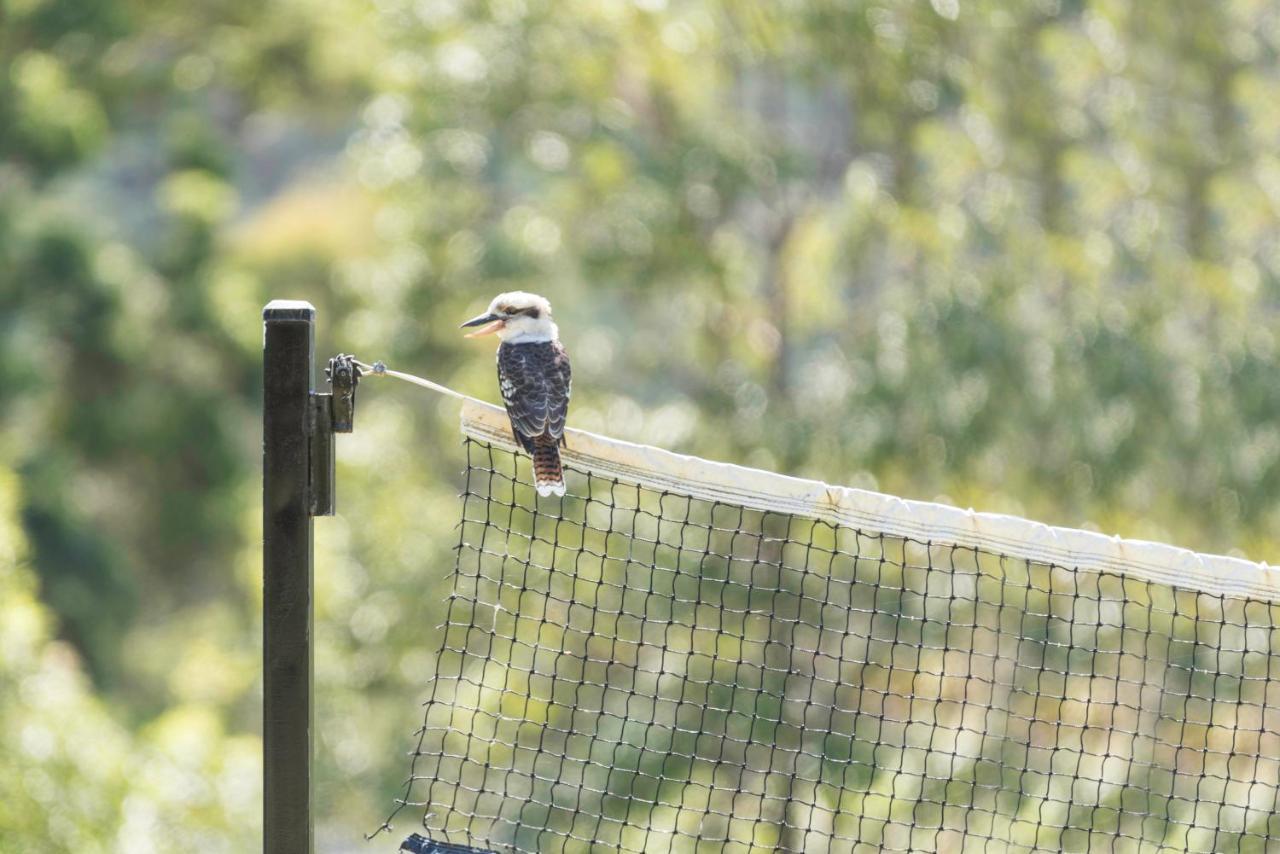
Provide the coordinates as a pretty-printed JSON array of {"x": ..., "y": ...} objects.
[{"x": 344, "y": 376}]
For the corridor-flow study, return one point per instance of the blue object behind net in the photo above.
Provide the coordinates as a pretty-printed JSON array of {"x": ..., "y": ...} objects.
[{"x": 417, "y": 844}]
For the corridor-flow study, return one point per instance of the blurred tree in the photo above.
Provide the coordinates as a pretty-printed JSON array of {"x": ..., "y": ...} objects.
[
  {"x": 111, "y": 341},
  {"x": 942, "y": 221},
  {"x": 72, "y": 778},
  {"x": 1024, "y": 256},
  {"x": 128, "y": 402}
]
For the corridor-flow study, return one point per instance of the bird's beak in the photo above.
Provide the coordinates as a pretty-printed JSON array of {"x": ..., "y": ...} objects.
[{"x": 494, "y": 323}]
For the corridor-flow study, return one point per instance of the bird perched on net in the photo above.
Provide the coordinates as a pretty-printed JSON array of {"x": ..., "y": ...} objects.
[{"x": 534, "y": 378}]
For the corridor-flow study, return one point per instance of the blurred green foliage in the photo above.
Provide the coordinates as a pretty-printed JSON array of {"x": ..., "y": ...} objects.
[{"x": 1021, "y": 256}]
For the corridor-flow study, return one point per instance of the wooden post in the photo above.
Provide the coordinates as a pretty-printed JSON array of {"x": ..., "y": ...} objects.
[{"x": 287, "y": 424}]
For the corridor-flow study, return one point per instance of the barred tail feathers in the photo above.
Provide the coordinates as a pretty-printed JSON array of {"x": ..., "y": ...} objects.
[{"x": 548, "y": 477}]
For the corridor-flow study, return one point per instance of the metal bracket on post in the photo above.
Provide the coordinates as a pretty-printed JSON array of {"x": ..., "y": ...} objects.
[
  {"x": 331, "y": 412},
  {"x": 344, "y": 375}
]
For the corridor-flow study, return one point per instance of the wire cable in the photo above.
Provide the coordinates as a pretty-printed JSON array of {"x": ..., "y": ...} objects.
[{"x": 380, "y": 369}]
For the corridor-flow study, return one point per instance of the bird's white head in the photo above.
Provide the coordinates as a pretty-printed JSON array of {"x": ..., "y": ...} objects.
[{"x": 517, "y": 317}]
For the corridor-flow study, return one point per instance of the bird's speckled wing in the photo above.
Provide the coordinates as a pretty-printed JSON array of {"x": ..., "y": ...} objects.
[{"x": 535, "y": 382}]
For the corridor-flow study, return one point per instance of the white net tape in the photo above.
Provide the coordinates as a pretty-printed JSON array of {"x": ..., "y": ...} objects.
[{"x": 922, "y": 521}]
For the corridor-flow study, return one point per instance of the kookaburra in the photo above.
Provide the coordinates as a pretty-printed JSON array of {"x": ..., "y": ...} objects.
[{"x": 533, "y": 376}]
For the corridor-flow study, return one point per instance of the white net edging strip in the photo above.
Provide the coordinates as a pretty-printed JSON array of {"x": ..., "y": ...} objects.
[{"x": 923, "y": 521}]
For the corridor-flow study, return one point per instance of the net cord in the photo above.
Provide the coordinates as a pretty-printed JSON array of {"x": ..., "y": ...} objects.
[
  {"x": 924, "y": 521},
  {"x": 379, "y": 369}
]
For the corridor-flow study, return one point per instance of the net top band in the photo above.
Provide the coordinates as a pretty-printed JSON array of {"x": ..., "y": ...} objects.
[{"x": 921, "y": 521}]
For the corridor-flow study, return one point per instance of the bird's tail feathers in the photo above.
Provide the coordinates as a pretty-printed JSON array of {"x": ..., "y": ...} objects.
[{"x": 548, "y": 476}]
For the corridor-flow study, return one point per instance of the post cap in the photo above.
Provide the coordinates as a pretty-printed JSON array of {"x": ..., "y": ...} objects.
[{"x": 289, "y": 309}]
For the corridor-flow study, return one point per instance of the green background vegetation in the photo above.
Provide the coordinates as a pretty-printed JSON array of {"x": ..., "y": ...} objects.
[{"x": 1020, "y": 256}]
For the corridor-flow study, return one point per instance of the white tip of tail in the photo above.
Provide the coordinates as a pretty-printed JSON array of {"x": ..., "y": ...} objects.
[{"x": 545, "y": 489}]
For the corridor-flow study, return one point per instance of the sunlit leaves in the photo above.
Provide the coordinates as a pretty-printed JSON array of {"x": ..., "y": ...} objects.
[{"x": 53, "y": 122}]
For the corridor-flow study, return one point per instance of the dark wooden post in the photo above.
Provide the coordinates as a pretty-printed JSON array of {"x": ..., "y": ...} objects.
[{"x": 288, "y": 421}]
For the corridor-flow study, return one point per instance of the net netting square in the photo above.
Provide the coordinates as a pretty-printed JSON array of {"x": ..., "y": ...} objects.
[{"x": 636, "y": 669}]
